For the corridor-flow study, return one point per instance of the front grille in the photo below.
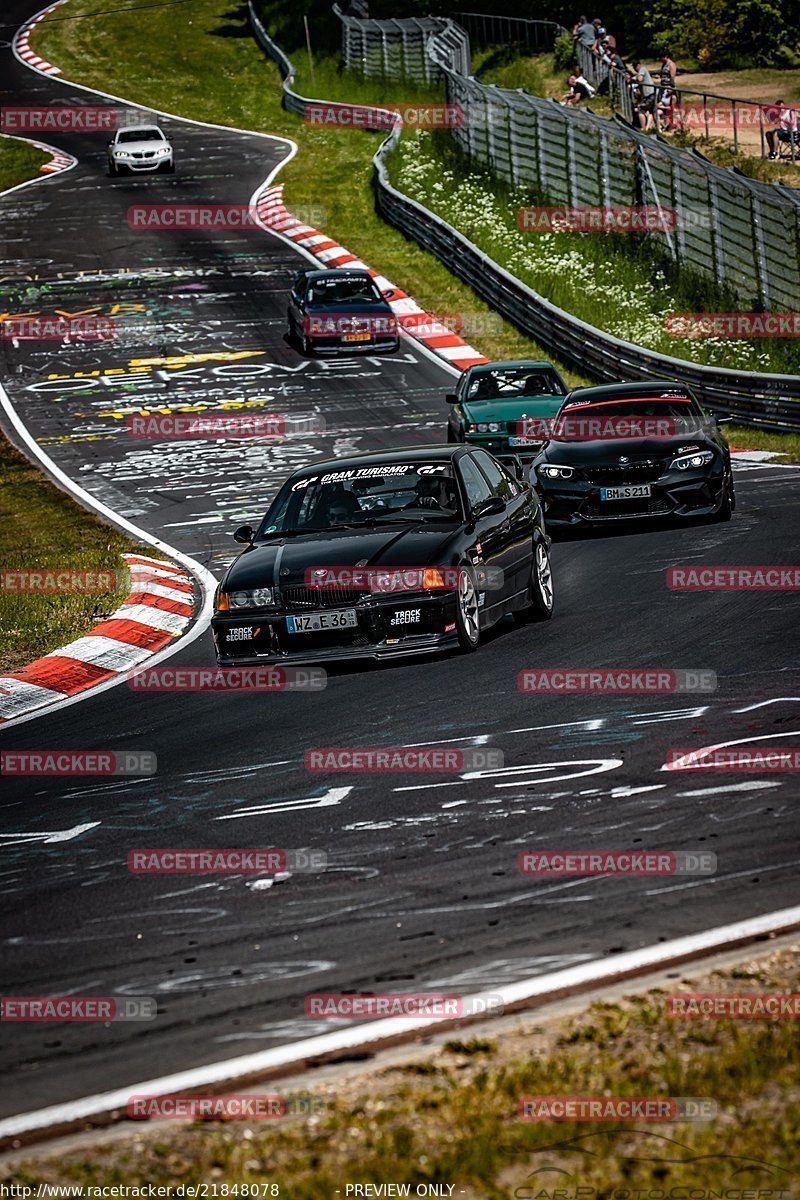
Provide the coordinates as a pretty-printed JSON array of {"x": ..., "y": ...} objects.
[
  {"x": 619, "y": 509},
  {"x": 647, "y": 471},
  {"x": 327, "y": 597}
]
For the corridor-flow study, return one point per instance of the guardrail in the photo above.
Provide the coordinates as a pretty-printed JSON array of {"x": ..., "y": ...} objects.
[
  {"x": 494, "y": 30},
  {"x": 760, "y": 400}
]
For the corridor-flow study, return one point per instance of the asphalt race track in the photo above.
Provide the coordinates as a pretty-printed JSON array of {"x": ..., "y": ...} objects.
[{"x": 422, "y": 889}]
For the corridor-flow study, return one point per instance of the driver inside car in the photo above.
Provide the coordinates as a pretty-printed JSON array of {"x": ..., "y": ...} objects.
[
  {"x": 434, "y": 493},
  {"x": 339, "y": 507}
]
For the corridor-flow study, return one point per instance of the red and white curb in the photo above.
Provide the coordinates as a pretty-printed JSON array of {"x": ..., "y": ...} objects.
[
  {"x": 59, "y": 161},
  {"x": 158, "y": 608},
  {"x": 273, "y": 214},
  {"x": 21, "y": 42}
]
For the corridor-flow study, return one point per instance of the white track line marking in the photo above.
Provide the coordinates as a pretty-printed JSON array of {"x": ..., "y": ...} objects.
[{"x": 595, "y": 973}]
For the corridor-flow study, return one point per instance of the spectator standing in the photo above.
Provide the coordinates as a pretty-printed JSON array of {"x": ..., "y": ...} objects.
[
  {"x": 668, "y": 72},
  {"x": 584, "y": 33},
  {"x": 645, "y": 95}
]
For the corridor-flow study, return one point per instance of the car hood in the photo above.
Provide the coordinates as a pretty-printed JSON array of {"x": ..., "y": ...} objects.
[
  {"x": 283, "y": 562},
  {"x": 128, "y": 146},
  {"x": 512, "y": 410},
  {"x": 610, "y": 451}
]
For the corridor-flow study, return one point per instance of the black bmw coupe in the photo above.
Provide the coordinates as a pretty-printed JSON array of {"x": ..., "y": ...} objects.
[
  {"x": 384, "y": 554},
  {"x": 626, "y": 451}
]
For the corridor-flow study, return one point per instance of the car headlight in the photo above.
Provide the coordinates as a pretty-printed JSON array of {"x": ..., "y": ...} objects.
[
  {"x": 556, "y": 471},
  {"x": 254, "y": 598},
  {"x": 164, "y": 150},
  {"x": 122, "y": 153},
  {"x": 690, "y": 462},
  {"x": 487, "y": 427}
]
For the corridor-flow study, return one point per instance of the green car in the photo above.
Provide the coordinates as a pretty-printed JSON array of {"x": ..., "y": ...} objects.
[{"x": 492, "y": 401}]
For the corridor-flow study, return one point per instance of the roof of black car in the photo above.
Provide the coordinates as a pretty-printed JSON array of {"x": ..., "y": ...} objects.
[
  {"x": 379, "y": 458},
  {"x": 649, "y": 388}
]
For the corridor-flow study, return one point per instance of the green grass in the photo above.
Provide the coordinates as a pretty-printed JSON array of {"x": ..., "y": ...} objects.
[
  {"x": 449, "y": 1116},
  {"x": 744, "y": 438},
  {"x": 40, "y": 527},
  {"x": 19, "y": 161},
  {"x": 623, "y": 284}
]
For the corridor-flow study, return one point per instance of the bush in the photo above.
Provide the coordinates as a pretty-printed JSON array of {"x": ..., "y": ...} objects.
[{"x": 564, "y": 52}]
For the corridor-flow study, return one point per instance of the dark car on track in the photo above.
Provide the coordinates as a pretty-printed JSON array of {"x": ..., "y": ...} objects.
[
  {"x": 505, "y": 406},
  {"x": 340, "y": 311},
  {"x": 631, "y": 451},
  {"x": 384, "y": 554}
]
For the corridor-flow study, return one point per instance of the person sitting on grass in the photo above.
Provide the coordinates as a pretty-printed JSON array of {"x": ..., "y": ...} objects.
[
  {"x": 579, "y": 89},
  {"x": 783, "y": 130}
]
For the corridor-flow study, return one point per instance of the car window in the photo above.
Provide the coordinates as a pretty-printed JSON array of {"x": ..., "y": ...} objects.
[
  {"x": 400, "y": 492},
  {"x": 343, "y": 289},
  {"x": 511, "y": 383},
  {"x": 141, "y": 135},
  {"x": 299, "y": 286},
  {"x": 477, "y": 488},
  {"x": 499, "y": 480}
]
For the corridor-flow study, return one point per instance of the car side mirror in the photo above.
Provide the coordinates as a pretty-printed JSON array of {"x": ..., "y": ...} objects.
[
  {"x": 245, "y": 534},
  {"x": 489, "y": 508},
  {"x": 451, "y": 398}
]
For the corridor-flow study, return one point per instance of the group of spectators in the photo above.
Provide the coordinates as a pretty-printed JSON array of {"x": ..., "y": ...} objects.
[
  {"x": 657, "y": 104},
  {"x": 648, "y": 97}
]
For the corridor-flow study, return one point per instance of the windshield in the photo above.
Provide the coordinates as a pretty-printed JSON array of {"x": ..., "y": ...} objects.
[
  {"x": 508, "y": 383},
  {"x": 140, "y": 135},
  {"x": 391, "y": 494},
  {"x": 344, "y": 289},
  {"x": 637, "y": 417}
]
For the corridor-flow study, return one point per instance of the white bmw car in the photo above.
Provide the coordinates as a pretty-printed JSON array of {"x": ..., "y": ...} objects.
[{"x": 140, "y": 148}]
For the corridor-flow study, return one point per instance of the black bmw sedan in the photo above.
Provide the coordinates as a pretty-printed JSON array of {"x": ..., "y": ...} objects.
[
  {"x": 340, "y": 311},
  {"x": 626, "y": 451},
  {"x": 384, "y": 554}
]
